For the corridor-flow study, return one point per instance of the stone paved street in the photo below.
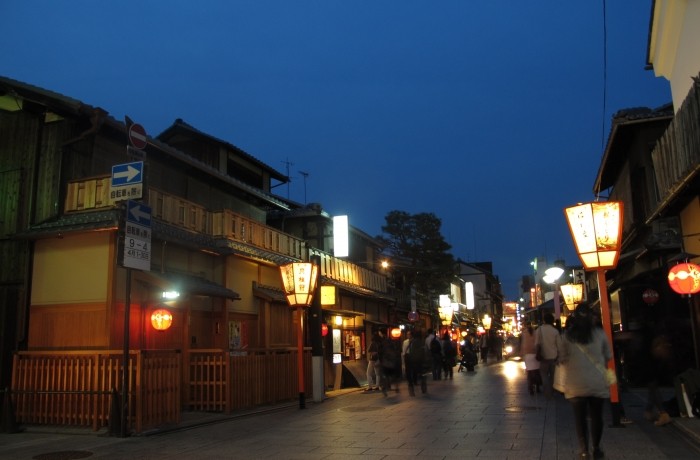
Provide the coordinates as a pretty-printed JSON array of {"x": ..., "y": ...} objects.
[{"x": 486, "y": 414}]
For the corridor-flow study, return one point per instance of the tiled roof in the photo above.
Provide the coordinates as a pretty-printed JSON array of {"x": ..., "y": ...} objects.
[
  {"x": 270, "y": 293},
  {"x": 226, "y": 246},
  {"x": 76, "y": 107},
  {"x": 181, "y": 124},
  {"x": 357, "y": 289},
  {"x": 194, "y": 285},
  {"x": 77, "y": 222}
]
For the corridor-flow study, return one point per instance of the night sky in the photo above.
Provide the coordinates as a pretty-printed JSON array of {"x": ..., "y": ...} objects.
[{"x": 491, "y": 114}]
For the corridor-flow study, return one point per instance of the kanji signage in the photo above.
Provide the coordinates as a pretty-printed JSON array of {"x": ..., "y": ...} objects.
[
  {"x": 127, "y": 181},
  {"x": 137, "y": 236}
]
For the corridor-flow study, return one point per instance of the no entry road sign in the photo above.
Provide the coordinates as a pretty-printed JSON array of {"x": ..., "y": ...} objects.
[{"x": 137, "y": 136}]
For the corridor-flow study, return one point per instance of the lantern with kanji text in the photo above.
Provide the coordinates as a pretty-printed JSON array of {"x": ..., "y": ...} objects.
[{"x": 161, "y": 319}]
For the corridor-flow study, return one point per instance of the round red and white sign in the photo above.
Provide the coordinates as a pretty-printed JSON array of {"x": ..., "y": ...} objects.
[
  {"x": 650, "y": 296},
  {"x": 137, "y": 136}
]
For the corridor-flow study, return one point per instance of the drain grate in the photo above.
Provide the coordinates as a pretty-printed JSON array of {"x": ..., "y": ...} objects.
[
  {"x": 63, "y": 455},
  {"x": 361, "y": 408}
]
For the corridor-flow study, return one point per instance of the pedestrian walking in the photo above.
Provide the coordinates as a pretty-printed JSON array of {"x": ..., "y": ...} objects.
[
  {"x": 390, "y": 360},
  {"x": 404, "y": 348},
  {"x": 435, "y": 348},
  {"x": 584, "y": 353},
  {"x": 548, "y": 340},
  {"x": 417, "y": 363},
  {"x": 527, "y": 352},
  {"x": 449, "y": 355},
  {"x": 484, "y": 347},
  {"x": 659, "y": 366},
  {"x": 373, "y": 363}
]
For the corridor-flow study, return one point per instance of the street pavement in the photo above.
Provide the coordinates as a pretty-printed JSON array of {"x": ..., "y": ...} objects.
[{"x": 484, "y": 414}]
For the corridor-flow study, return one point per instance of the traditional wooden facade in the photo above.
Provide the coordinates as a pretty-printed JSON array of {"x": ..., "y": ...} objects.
[
  {"x": 652, "y": 164},
  {"x": 65, "y": 290}
]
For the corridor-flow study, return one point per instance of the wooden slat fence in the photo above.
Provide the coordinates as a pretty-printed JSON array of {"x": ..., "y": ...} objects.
[
  {"x": 219, "y": 382},
  {"x": 74, "y": 387}
]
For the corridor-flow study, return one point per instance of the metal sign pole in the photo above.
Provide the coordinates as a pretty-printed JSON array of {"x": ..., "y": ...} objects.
[{"x": 125, "y": 359}]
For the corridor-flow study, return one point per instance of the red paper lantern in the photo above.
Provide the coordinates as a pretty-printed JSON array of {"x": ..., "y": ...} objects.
[
  {"x": 685, "y": 278},
  {"x": 161, "y": 319},
  {"x": 324, "y": 329},
  {"x": 395, "y": 333}
]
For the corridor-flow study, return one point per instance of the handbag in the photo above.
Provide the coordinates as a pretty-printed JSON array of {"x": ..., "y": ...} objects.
[
  {"x": 609, "y": 374},
  {"x": 559, "y": 382}
]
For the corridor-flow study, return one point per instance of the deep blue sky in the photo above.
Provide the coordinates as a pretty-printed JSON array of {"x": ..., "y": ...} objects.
[{"x": 488, "y": 113}]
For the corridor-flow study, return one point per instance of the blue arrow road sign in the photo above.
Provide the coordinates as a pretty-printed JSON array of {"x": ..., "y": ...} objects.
[
  {"x": 138, "y": 213},
  {"x": 127, "y": 173}
]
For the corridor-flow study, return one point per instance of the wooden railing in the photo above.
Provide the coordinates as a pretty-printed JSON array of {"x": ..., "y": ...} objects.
[
  {"x": 94, "y": 194},
  {"x": 86, "y": 194},
  {"x": 676, "y": 156},
  {"x": 75, "y": 387},
  {"x": 222, "y": 383},
  {"x": 347, "y": 272}
]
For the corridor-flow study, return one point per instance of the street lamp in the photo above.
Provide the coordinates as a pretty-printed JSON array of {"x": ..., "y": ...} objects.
[
  {"x": 596, "y": 229},
  {"x": 551, "y": 276},
  {"x": 299, "y": 280}
]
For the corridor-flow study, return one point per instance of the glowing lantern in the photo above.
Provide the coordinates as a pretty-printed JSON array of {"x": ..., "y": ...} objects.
[
  {"x": 161, "y": 319},
  {"x": 395, "y": 333},
  {"x": 573, "y": 294},
  {"x": 324, "y": 329},
  {"x": 597, "y": 231},
  {"x": 685, "y": 278},
  {"x": 299, "y": 280}
]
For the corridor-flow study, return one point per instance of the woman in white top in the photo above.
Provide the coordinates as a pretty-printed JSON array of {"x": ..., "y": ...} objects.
[{"x": 585, "y": 353}]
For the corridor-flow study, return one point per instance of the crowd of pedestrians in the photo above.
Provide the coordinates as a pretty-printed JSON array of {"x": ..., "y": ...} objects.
[{"x": 576, "y": 357}]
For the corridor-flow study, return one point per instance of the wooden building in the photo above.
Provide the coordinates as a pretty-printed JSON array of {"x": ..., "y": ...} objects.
[{"x": 69, "y": 284}]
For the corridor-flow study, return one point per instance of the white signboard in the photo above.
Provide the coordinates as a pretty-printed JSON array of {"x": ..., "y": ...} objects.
[
  {"x": 126, "y": 182},
  {"x": 137, "y": 236}
]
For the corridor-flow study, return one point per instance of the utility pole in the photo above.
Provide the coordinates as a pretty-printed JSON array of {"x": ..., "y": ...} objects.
[
  {"x": 289, "y": 179},
  {"x": 305, "y": 175}
]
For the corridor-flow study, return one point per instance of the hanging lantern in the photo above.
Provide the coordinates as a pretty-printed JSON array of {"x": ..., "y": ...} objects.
[
  {"x": 395, "y": 333},
  {"x": 324, "y": 329},
  {"x": 161, "y": 319},
  {"x": 597, "y": 231},
  {"x": 486, "y": 321},
  {"x": 299, "y": 281},
  {"x": 445, "y": 310},
  {"x": 685, "y": 278},
  {"x": 573, "y": 294}
]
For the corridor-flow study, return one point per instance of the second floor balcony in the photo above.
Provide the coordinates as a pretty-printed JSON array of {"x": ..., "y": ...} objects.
[{"x": 93, "y": 194}]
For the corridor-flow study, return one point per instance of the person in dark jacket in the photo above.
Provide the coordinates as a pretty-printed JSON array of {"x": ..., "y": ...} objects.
[{"x": 417, "y": 363}]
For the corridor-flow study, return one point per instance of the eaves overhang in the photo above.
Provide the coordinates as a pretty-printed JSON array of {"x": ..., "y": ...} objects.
[
  {"x": 269, "y": 293},
  {"x": 226, "y": 246},
  {"x": 189, "y": 284},
  {"x": 107, "y": 220},
  {"x": 351, "y": 288},
  {"x": 617, "y": 147},
  {"x": 181, "y": 125},
  {"x": 66, "y": 105}
]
